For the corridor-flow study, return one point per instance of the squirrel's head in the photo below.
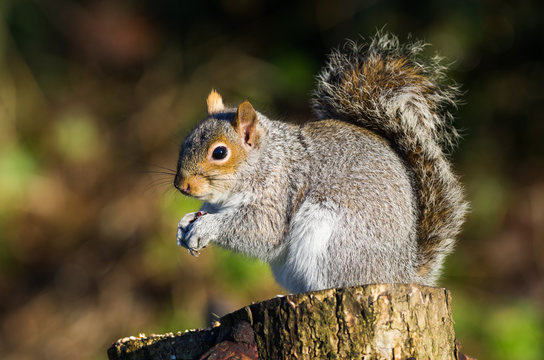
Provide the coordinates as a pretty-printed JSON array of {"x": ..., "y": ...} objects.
[{"x": 212, "y": 153}]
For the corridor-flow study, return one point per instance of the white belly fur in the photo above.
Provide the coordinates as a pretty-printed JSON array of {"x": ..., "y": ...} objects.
[{"x": 303, "y": 267}]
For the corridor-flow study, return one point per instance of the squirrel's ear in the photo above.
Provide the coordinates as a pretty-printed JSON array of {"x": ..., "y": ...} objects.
[
  {"x": 245, "y": 123},
  {"x": 215, "y": 102}
]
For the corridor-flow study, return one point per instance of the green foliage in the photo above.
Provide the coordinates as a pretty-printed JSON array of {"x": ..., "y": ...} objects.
[
  {"x": 297, "y": 71},
  {"x": 239, "y": 272},
  {"x": 76, "y": 135},
  {"x": 18, "y": 166},
  {"x": 499, "y": 330}
]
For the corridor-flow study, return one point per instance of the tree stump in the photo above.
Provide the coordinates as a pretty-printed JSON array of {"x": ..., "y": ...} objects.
[{"x": 366, "y": 322}]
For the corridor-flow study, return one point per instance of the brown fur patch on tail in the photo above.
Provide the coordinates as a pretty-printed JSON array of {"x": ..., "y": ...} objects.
[{"x": 404, "y": 97}]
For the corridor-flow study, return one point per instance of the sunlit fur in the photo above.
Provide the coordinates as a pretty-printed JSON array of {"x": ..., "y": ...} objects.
[
  {"x": 215, "y": 102},
  {"x": 363, "y": 195}
]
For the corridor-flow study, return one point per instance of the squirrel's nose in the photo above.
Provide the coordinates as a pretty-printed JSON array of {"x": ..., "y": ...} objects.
[
  {"x": 182, "y": 185},
  {"x": 185, "y": 188}
]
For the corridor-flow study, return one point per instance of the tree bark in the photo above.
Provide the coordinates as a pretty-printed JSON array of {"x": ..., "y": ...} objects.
[{"x": 367, "y": 322}]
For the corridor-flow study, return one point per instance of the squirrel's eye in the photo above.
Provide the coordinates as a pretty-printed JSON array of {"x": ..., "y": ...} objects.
[{"x": 219, "y": 153}]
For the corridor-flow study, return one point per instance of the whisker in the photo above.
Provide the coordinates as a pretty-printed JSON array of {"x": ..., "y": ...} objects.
[
  {"x": 160, "y": 186},
  {"x": 157, "y": 184},
  {"x": 168, "y": 191},
  {"x": 166, "y": 177},
  {"x": 159, "y": 172},
  {"x": 163, "y": 179},
  {"x": 163, "y": 167}
]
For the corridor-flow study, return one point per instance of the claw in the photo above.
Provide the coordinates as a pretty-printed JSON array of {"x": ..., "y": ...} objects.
[{"x": 194, "y": 252}]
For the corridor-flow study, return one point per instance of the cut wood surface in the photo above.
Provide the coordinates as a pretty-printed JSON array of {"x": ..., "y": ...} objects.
[{"x": 367, "y": 322}]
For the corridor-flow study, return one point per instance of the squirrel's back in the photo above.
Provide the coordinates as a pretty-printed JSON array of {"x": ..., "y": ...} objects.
[{"x": 393, "y": 91}]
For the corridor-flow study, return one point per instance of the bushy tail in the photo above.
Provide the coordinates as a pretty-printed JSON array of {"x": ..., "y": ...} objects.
[{"x": 392, "y": 90}]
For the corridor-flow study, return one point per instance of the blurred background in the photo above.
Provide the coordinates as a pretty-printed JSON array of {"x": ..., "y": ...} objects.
[{"x": 96, "y": 96}]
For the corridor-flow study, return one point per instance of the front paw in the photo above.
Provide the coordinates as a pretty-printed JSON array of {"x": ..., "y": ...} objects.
[
  {"x": 191, "y": 234},
  {"x": 185, "y": 222},
  {"x": 195, "y": 238}
]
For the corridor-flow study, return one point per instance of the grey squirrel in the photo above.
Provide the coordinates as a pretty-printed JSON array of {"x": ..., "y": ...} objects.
[{"x": 364, "y": 194}]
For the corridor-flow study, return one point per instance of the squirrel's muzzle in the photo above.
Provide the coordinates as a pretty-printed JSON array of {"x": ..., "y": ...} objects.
[
  {"x": 191, "y": 185},
  {"x": 182, "y": 184}
]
